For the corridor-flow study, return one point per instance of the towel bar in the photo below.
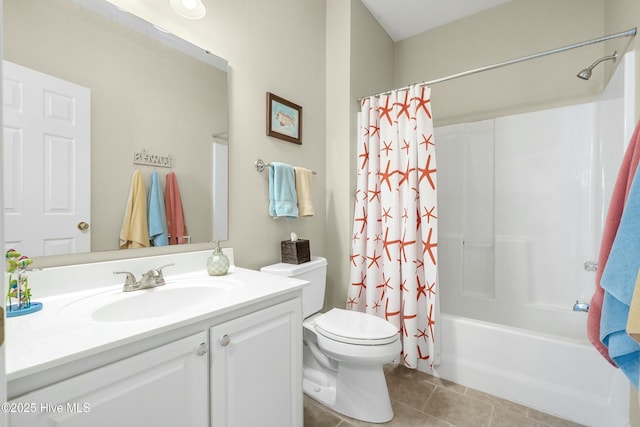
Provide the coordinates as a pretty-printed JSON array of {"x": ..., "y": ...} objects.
[{"x": 261, "y": 165}]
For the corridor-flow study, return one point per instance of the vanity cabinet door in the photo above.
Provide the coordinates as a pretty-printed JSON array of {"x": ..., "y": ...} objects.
[
  {"x": 256, "y": 372},
  {"x": 166, "y": 386}
]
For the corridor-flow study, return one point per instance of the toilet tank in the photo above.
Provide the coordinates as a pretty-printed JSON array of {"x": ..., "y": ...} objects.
[{"x": 314, "y": 271}]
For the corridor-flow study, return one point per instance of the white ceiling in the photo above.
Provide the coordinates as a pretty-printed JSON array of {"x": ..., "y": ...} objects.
[{"x": 406, "y": 18}]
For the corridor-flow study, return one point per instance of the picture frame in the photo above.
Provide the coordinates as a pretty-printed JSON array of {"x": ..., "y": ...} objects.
[{"x": 284, "y": 119}]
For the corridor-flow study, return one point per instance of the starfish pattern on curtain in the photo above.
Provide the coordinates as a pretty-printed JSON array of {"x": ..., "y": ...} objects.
[{"x": 393, "y": 265}]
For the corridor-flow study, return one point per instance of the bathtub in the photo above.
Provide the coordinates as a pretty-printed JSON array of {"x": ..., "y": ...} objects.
[{"x": 559, "y": 376}]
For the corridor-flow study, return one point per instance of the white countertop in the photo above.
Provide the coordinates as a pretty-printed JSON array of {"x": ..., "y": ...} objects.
[{"x": 63, "y": 332}]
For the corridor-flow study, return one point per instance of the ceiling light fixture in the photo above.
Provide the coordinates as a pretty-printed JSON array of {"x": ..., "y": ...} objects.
[{"x": 190, "y": 9}]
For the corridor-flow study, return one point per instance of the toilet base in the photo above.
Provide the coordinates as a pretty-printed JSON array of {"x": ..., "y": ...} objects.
[{"x": 357, "y": 392}]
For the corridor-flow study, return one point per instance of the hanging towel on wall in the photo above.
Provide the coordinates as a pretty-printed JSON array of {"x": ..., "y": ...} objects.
[
  {"x": 156, "y": 215},
  {"x": 618, "y": 281},
  {"x": 282, "y": 191},
  {"x": 175, "y": 215},
  {"x": 618, "y": 199},
  {"x": 134, "y": 232},
  {"x": 304, "y": 193}
]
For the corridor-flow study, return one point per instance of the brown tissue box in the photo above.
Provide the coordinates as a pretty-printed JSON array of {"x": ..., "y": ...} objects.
[{"x": 295, "y": 252}]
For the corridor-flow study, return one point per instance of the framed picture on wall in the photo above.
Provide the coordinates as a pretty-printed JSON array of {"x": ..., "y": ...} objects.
[{"x": 284, "y": 119}]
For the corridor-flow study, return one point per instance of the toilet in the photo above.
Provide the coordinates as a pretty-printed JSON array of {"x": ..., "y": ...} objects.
[{"x": 344, "y": 351}]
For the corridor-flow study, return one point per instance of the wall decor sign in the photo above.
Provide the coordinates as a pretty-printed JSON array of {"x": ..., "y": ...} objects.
[
  {"x": 284, "y": 119},
  {"x": 145, "y": 158}
]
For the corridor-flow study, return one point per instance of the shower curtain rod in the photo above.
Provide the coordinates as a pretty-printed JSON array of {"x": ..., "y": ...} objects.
[{"x": 629, "y": 33}]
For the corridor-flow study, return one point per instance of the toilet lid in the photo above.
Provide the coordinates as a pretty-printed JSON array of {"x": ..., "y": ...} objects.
[{"x": 355, "y": 327}]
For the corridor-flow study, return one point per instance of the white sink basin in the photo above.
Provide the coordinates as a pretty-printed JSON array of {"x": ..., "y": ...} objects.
[
  {"x": 156, "y": 302},
  {"x": 161, "y": 301}
]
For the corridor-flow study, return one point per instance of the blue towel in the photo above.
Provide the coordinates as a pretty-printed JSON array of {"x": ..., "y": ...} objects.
[
  {"x": 156, "y": 214},
  {"x": 618, "y": 281},
  {"x": 283, "y": 200}
]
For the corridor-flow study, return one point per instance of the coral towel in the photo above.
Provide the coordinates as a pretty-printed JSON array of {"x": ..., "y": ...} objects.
[
  {"x": 304, "y": 178},
  {"x": 175, "y": 215},
  {"x": 134, "y": 232},
  {"x": 614, "y": 215},
  {"x": 282, "y": 191},
  {"x": 156, "y": 215}
]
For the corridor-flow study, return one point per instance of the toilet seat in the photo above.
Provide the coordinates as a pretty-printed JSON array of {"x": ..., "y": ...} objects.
[{"x": 353, "y": 327}]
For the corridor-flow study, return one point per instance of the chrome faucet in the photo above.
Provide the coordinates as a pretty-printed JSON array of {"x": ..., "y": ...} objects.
[
  {"x": 150, "y": 279},
  {"x": 581, "y": 306}
]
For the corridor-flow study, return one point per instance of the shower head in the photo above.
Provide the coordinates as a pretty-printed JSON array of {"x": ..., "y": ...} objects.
[{"x": 586, "y": 73}]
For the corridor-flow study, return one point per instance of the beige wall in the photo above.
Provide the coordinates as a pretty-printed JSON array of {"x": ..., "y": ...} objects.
[
  {"x": 355, "y": 41},
  {"x": 512, "y": 30},
  {"x": 324, "y": 54},
  {"x": 276, "y": 46},
  {"x": 324, "y": 65},
  {"x": 338, "y": 24},
  {"x": 143, "y": 96},
  {"x": 509, "y": 31}
]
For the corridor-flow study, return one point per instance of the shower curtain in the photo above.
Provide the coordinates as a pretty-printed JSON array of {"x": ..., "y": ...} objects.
[{"x": 394, "y": 245}]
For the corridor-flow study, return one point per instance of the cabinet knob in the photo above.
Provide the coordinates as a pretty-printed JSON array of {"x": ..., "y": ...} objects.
[
  {"x": 202, "y": 349},
  {"x": 225, "y": 340}
]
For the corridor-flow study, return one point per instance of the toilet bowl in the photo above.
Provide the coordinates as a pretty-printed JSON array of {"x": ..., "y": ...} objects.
[
  {"x": 345, "y": 372},
  {"x": 354, "y": 337},
  {"x": 344, "y": 351}
]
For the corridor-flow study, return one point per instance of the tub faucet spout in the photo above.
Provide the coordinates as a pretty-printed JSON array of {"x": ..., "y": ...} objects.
[{"x": 581, "y": 306}]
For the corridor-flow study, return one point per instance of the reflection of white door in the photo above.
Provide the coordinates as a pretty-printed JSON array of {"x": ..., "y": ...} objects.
[{"x": 46, "y": 163}]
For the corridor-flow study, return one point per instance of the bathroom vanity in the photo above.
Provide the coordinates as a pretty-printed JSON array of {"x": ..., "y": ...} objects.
[{"x": 200, "y": 351}]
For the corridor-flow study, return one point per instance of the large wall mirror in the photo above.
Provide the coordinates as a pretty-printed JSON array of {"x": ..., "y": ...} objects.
[{"x": 149, "y": 96}]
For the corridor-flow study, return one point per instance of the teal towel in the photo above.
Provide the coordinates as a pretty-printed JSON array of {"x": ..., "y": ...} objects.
[
  {"x": 283, "y": 200},
  {"x": 156, "y": 214}
]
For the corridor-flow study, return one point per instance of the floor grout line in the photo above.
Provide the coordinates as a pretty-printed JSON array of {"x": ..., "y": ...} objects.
[
  {"x": 426, "y": 402},
  {"x": 493, "y": 409}
]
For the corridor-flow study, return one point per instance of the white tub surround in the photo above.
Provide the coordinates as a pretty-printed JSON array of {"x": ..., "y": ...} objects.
[{"x": 77, "y": 335}]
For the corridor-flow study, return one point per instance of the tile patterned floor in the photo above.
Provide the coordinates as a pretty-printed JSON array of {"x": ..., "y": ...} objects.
[{"x": 421, "y": 400}]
